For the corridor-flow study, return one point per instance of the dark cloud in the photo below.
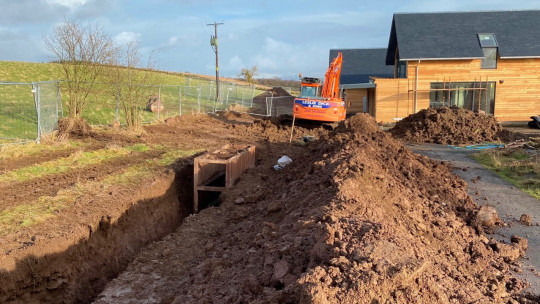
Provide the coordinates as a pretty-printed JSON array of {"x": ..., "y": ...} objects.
[
  {"x": 94, "y": 8},
  {"x": 30, "y": 11},
  {"x": 16, "y": 46}
]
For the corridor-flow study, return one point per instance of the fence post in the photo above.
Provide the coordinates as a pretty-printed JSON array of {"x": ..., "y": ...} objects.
[
  {"x": 243, "y": 92},
  {"x": 227, "y": 99},
  {"x": 180, "y": 100},
  {"x": 271, "y": 103},
  {"x": 199, "y": 97},
  {"x": 58, "y": 101},
  {"x": 36, "y": 92},
  {"x": 236, "y": 92},
  {"x": 160, "y": 102},
  {"x": 252, "y": 95}
]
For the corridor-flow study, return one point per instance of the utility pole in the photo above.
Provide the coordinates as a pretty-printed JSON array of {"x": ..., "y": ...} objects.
[{"x": 214, "y": 45}]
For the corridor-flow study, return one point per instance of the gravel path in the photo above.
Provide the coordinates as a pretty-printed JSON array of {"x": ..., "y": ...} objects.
[{"x": 509, "y": 201}]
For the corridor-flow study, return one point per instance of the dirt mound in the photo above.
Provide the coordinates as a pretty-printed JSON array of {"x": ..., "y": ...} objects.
[
  {"x": 447, "y": 126},
  {"x": 281, "y": 104},
  {"x": 356, "y": 218},
  {"x": 274, "y": 92},
  {"x": 73, "y": 126}
]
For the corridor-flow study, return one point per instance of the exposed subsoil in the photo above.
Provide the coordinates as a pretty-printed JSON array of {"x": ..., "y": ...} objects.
[
  {"x": 356, "y": 218},
  {"x": 68, "y": 257}
]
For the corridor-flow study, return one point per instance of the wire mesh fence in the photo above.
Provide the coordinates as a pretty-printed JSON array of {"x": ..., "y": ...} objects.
[{"x": 30, "y": 110}]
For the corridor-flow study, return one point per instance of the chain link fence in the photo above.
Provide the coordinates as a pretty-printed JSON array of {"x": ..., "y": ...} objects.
[{"x": 30, "y": 110}]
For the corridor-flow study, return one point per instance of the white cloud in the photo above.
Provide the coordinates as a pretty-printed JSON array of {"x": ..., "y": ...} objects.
[
  {"x": 126, "y": 37},
  {"x": 173, "y": 40},
  {"x": 232, "y": 37},
  {"x": 68, "y": 3},
  {"x": 235, "y": 63}
]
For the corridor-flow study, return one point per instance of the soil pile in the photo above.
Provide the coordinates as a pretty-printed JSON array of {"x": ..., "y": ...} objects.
[
  {"x": 356, "y": 218},
  {"x": 282, "y": 102},
  {"x": 447, "y": 125},
  {"x": 73, "y": 126},
  {"x": 274, "y": 92}
]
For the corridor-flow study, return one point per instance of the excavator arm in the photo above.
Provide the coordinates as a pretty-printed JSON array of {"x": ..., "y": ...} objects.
[{"x": 331, "y": 78}]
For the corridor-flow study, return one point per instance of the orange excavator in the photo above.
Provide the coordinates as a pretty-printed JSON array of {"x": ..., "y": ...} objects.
[{"x": 321, "y": 101}]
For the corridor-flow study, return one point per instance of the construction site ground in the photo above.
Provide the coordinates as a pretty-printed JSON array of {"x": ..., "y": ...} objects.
[
  {"x": 356, "y": 218},
  {"x": 490, "y": 189}
]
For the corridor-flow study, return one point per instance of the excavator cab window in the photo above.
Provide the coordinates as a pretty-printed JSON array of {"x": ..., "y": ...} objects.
[{"x": 308, "y": 92}]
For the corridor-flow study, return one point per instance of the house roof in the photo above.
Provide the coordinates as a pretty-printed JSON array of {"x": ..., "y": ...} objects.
[
  {"x": 359, "y": 64},
  {"x": 431, "y": 36}
]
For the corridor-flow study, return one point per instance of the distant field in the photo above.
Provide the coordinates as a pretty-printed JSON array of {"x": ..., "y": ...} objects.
[{"x": 180, "y": 93}]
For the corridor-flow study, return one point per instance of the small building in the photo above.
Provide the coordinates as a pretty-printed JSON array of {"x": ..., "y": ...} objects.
[{"x": 488, "y": 61}]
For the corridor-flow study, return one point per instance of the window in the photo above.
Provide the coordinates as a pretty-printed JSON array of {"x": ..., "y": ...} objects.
[
  {"x": 469, "y": 95},
  {"x": 487, "y": 40},
  {"x": 490, "y": 58},
  {"x": 308, "y": 92},
  {"x": 401, "y": 71},
  {"x": 489, "y": 47}
]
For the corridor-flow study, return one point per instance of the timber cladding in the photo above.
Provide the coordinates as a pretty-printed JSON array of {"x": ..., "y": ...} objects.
[
  {"x": 517, "y": 87},
  {"x": 356, "y": 99}
]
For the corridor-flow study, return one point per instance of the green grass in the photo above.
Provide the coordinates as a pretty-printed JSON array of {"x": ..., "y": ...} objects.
[
  {"x": 517, "y": 166},
  {"x": 77, "y": 160},
  {"x": 45, "y": 208},
  {"x": 11, "y": 152},
  {"x": 180, "y": 93}
]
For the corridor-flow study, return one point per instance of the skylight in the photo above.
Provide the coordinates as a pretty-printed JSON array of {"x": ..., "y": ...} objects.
[{"x": 487, "y": 40}]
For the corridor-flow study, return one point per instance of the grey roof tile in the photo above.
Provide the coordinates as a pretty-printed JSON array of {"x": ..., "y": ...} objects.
[
  {"x": 454, "y": 35},
  {"x": 360, "y": 64}
]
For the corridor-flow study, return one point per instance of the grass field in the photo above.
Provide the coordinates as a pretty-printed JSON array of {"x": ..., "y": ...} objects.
[{"x": 181, "y": 94}]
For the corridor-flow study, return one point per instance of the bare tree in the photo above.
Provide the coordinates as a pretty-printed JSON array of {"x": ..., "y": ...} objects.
[
  {"x": 249, "y": 74},
  {"x": 131, "y": 86},
  {"x": 83, "y": 52}
]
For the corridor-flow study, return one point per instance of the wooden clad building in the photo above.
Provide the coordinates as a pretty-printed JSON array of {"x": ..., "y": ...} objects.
[
  {"x": 359, "y": 65},
  {"x": 488, "y": 61}
]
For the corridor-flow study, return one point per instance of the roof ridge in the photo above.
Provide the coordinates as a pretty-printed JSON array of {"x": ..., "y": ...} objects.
[{"x": 466, "y": 12}]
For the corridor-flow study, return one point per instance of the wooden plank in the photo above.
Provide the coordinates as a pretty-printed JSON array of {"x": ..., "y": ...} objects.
[{"x": 209, "y": 167}]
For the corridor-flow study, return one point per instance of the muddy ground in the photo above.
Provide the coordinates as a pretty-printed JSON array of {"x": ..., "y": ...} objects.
[
  {"x": 510, "y": 202},
  {"x": 356, "y": 218}
]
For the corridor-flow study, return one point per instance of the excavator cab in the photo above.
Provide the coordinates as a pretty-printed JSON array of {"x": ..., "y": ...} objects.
[{"x": 310, "y": 87}]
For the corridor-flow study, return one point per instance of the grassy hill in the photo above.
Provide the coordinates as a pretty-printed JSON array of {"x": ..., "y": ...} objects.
[{"x": 181, "y": 93}]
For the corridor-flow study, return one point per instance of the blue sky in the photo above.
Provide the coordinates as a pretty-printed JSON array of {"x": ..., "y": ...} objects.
[{"x": 282, "y": 38}]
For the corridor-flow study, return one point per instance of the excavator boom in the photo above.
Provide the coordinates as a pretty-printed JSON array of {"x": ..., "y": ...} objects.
[{"x": 331, "y": 78}]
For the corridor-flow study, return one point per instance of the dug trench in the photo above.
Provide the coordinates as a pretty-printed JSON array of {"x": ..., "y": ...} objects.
[
  {"x": 79, "y": 273},
  {"x": 356, "y": 218}
]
